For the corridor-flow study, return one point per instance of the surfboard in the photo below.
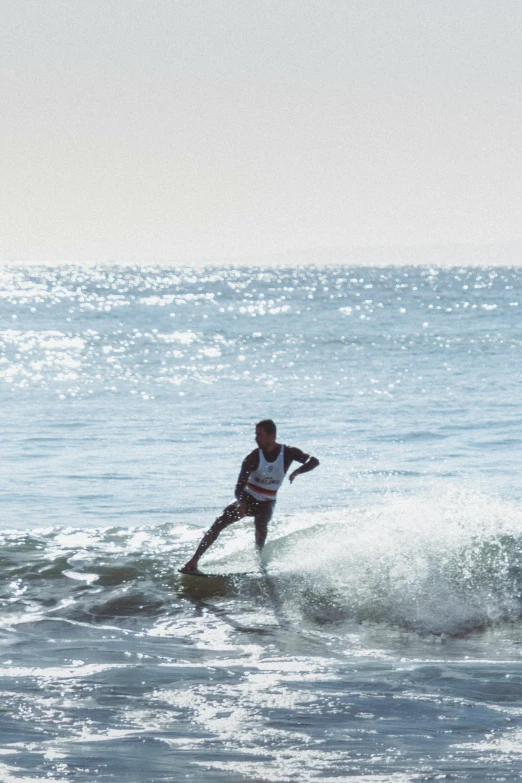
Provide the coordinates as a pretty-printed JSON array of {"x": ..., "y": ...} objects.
[
  {"x": 194, "y": 572},
  {"x": 215, "y": 575}
]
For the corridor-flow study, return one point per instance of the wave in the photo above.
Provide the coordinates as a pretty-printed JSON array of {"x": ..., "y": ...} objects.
[
  {"x": 436, "y": 563},
  {"x": 439, "y": 563}
]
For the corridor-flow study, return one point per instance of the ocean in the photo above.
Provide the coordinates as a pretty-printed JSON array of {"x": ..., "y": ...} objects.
[{"x": 380, "y": 639}]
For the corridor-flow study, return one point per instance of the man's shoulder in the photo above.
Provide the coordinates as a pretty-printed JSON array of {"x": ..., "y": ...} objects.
[
  {"x": 253, "y": 456},
  {"x": 295, "y": 454}
]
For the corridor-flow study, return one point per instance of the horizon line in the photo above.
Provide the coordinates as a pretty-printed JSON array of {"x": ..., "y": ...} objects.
[{"x": 365, "y": 255}]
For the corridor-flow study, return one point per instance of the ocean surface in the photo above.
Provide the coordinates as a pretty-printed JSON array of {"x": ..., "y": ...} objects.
[{"x": 380, "y": 638}]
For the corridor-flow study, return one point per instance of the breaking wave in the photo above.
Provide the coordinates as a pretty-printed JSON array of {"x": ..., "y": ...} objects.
[{"x": 435, "y": 563}]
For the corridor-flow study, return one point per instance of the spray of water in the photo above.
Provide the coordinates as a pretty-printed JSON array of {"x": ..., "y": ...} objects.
[{"x": 434, "y": 563}]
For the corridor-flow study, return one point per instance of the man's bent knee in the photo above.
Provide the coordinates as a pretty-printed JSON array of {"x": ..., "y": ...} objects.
[{"x": 230, "y": 514}]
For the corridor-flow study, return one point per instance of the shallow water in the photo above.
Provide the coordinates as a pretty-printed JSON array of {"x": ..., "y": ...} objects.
[{"x": 379, "y": 639}]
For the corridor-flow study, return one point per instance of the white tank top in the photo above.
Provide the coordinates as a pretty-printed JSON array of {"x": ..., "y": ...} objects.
[{"x": 264, "y": 482}]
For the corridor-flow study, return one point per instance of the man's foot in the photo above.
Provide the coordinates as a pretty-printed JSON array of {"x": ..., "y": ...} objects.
[{"x": 191, "y": 570}]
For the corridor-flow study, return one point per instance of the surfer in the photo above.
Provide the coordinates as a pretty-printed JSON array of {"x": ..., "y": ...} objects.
[{"x": 262, "y": 473}]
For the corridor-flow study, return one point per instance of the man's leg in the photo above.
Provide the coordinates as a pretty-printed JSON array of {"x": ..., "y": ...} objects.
[
  {"x": 262, "y": 517},
  {"x": 231, "y": 514}
]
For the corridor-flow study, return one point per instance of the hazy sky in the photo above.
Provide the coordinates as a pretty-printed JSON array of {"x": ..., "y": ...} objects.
[{"x": 160, "y": 130}]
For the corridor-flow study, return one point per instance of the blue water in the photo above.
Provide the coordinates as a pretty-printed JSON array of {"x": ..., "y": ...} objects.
[{"x": 381, "y": 641}]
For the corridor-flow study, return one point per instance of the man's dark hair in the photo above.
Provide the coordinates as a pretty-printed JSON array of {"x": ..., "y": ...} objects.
[{"x": 268, "y": 426}]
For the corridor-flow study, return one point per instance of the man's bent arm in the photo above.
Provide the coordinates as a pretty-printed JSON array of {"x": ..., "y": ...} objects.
[{"x": 310, "y": 464}]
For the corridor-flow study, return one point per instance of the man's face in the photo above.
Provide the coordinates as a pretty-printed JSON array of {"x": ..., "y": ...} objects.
[{"x": 263, "y": 439}]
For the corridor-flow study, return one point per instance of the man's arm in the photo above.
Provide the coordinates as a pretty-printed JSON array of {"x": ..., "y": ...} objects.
[
  {"x": 250, "y": 464},
  {"x": 310, "y": 464}
]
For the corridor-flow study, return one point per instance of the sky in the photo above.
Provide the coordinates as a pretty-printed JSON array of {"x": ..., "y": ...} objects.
[{"x": 191, "y": 131}]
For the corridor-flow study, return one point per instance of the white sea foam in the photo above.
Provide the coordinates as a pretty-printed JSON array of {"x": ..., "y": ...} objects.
[{"x": 444, "y": 561}]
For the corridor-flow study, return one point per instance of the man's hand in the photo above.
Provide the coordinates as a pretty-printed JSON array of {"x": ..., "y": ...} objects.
[
  {"x": 241, "y": 509},
  {"x": 310, "y": 464}
]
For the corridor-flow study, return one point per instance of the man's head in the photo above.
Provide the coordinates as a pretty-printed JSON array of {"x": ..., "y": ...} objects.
[{"x": 266, "y": 434}]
